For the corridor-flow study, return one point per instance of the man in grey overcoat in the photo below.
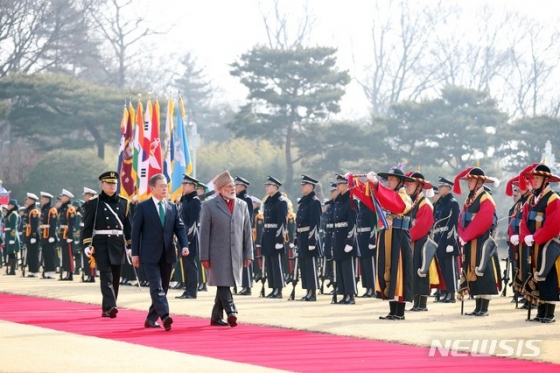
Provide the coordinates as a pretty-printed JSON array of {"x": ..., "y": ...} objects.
[{"x": 226, "y": 246}]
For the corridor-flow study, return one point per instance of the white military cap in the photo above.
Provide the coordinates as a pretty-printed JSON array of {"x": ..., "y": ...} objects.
[
  {"x": 32, "y": 196},
  {"x": 66, "y": 193},
  {"x": 89, "y": 191}
]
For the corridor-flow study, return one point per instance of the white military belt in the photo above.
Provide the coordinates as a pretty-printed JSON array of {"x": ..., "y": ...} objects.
[
  {"x": 303, "y": 229},
  {"x": 44, "y": 226},
  {"x": 271, "y": 225},
  {"x": 108, "y": 232},
  {"x": 63, "y": 226},
  {"x": 441, "y": 229},
  {"x": 363, "y": 229},
  {"x": 341, "y": 225},
  {"x": 7, "y": 229}
]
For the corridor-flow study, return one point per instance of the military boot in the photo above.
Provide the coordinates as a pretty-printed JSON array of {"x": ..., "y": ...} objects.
[
  {"x": 392, "y": 311},
  {"x": 541, "y": 313},
  {"x": 476, "y": 309},
  {"x": 483, "y": 308},
  {"x": 415, "y": 303},
  {"x": 422, "y": 303},
  {"x": 549, "y": 313},
  {"x": 399, "y": 315}
]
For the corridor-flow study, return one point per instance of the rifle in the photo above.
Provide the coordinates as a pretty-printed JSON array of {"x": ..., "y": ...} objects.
[
  {"x": 295, "y": 278},
  {"x": 506, "y": 278},
  {"x": 334, "y": 297},
  {"x": 323, "y": 272},
  {"x": 263, "y": 275},
  {"x": 23, "y": 259}
]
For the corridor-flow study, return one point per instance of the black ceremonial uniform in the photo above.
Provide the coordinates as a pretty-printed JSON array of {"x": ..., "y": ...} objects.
[
  {"x": 67, "y": 220},
  {"x": 247, "y": 277},
  {"x": 49, "y": 220},
  {"x": 105, "y": 233},
  {"x": 272, "y": 243},
  {"x": 32, "y": 221},
  {"x": 446, "y": 215},
  {"x": 308, "y": 220},
  {"x": 366, "y": 237},
  {"x": 190, "y": 212},
  {"x": 344, "y": 230}
]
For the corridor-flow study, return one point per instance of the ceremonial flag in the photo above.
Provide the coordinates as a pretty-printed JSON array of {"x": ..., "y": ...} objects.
[
  {"x": 155, "y": 143},
  {"x": 4, "y": 195},
  {"x": 138, "y": 150},
  {"x": 168, "y": 144},
  {"x": 181, "y": 158},
  {"x": 126, "y": 179},
  {"x": 144, "y": 154},
  {"x": 124, "y": 120}
]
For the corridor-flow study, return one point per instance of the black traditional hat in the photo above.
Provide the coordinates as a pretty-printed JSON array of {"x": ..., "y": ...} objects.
[
  {"x": 332, "y": 187},
  {"x": 189, "y": 180},
  {"x": 544, "y": 170},
  {"x": 308, "y": 180},
  {"x": 472, "y": 173},
  {"x": 109, "y": 176},
  {"x": 417, "y": 176},
  {"x": 397, "y": 172},
  {"x": 273, "y": 181},
  {"x": 241, "y": 181}
]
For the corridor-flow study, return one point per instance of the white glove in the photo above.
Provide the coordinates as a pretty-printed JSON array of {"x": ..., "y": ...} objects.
[
  {"x": 514, "y": 239},
  {"x": 311, "y": 248},
  {"x": 371, "y": 247},
  {"x": 11, "y": 242},
  {"x": 32, "y": 240},
  {"x": 292, "y": 246},
  {"x": 279, "y": 246},
  {"x": 529, "y": 240},
  {"x": 51, "y": 239},
  {"x": 69, "y": 240},
  {"x": 449, "y": 249},
  {"x": 87, "y": 251},
  {"x": 372, "y": 176},
  {"x": 348, "y": 248},
  {"x": 462, "y": 242},
  {"x": 128, "y": 252}
]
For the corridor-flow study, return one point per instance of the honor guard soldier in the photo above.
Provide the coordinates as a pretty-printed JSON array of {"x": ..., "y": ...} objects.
[
  {"x": 32, "y": 233},
  {"x": 66, "y": 219},
  {"x": 11, "y": 236},
  {"x": 105, "y": 238},
  {"x": 241, "y": 186},
  {"x": 539, "y": 230},
  {"x": 258, "y": 226},
  {"x": 394, "y": 251},
  {"x": 366, "y": 241},
  {"x": 190, "y": 212},
  {"x": 308, "y": 220},
  {"x": 344, "y": 231},
  {"x": 272, "y": 243},
  {"x": 49, "y": 222},
  {"x": 328, "y": 217},
  {"x": 88, "y": 270},
  {"x": 422, "y": 220},
  {"x": 446, "y": 217},
  {"x": 77, "y": 236},
  {"x": 481, "y": 271}
]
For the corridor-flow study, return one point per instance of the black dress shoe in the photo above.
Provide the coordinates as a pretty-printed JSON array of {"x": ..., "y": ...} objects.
[
  {"x": 186, "y": 296},
  {"x": 311, "y": 298},
  {"x": 232, "y": 320},
  {"x": 218, "y": 322},
  {"x": 167, "y": 321},
  {"x": 245, "y": 291},
  {"x": 151, "y": 324},
  {"x": 277, "y": 295},
  {"x": 112, "y": 313},
  {"x": 387, "y": 317},
  {"x": 202, "y": 287}
]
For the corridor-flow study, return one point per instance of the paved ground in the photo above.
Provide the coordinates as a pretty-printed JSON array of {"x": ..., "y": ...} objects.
[{"x": 442, "y": 322}]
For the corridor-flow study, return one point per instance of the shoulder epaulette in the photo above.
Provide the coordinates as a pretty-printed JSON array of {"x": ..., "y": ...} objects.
[
  {"x": 34, "y": 212},
  {"x": 92, "y": 198},
  {"x": 282, "y": 198}
]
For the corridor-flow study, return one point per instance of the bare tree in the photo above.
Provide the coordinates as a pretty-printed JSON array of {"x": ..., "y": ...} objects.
[
  {"x": 37, "y": 35},
  {"x": 533, "y": 77},
  {"x": 401, "y": 67},
  {"x": 278, "y": 27},
  {"x": 126, "y": 34}
]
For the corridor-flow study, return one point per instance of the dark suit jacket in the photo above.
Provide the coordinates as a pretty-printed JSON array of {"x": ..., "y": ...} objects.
[{"x": 150, "y": 239}]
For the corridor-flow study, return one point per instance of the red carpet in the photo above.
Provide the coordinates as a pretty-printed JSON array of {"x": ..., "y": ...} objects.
[{"x": 257, "y": 345}]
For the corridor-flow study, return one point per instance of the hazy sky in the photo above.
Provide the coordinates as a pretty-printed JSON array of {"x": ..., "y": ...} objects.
[{"x": 219, "y": 31}]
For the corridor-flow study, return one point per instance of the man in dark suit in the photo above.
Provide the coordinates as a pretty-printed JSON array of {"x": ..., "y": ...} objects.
[
  {"x": 190, "y": 213},
  {"x": 154, "y": 223}
]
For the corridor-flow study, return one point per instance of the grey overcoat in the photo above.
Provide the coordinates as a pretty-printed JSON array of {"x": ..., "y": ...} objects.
[{"x": 226, "y": 240}]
